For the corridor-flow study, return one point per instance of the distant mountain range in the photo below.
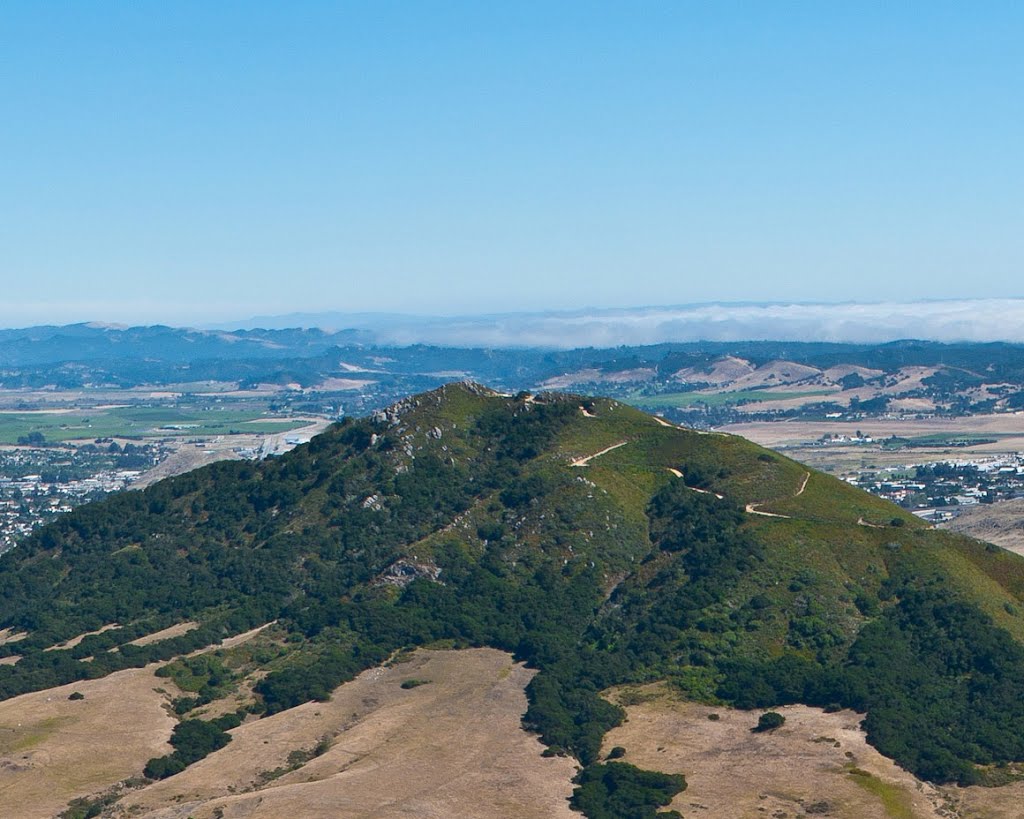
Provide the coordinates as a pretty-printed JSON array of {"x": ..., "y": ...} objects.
[
  {"x": 968, "y": 320},
  {"x": 93, "y": 342},
  {"x": 917, "y": 376}
]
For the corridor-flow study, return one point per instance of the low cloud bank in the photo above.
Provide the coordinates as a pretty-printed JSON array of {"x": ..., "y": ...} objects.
[{"x": 977, "y": 320}]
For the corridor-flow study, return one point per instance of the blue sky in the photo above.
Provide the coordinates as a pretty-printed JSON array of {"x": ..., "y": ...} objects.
[{"x": 188, "y": 162}]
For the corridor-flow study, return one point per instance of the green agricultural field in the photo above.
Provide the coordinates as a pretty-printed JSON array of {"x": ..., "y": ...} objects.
[
  {"x": 137, "y": 422},
  {"x": 720, "y": 399},
  {"x": 952, "y": 439}
]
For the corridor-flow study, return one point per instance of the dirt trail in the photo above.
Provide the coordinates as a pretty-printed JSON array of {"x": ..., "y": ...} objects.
[
  {"x": 679, "y": 474},
  {"x": 862, "y": 522},
  {"x": 10, "y": 636},
  {"x": 752, "y": 509},
  {"x": 665, "y": 423},
  {"x": 585, "y": 461},
  {"x": 231, "y": 642}
]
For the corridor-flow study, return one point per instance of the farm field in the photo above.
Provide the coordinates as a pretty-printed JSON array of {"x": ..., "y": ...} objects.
[
  {"x": 929, "y": 440},
  {"x": 717, "y": 399},
  {"x": 137, "y": 422},
  {"x": 1005, "y": 427}
]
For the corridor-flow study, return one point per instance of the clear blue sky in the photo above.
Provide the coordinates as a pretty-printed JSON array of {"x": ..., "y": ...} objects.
[{"x": 188, "y": 161}]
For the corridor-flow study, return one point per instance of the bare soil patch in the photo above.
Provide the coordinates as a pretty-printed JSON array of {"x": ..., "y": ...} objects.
[
  {"x": 345, "y": 383},
  {"x": 188, "y": 456},
  {"x": 451, "y": 747}
]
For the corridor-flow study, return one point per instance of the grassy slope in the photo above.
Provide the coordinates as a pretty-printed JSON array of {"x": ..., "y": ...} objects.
[
  {"x": 836, "y": 540},
  {"x": 822, "y": 545}
]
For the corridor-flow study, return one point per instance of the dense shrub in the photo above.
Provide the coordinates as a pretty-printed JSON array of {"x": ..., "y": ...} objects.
[
  {"x": 769, "y": 721},
  {"x": 618, "y": 790}
]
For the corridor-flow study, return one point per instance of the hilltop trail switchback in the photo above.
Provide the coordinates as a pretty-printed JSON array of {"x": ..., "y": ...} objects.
[
  {"x": 679, "y": 474},
  {"x": 752, "y": 509}
]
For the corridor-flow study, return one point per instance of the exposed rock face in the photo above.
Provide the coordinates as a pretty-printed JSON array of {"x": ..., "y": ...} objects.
[{"x": 402, "y": 572}]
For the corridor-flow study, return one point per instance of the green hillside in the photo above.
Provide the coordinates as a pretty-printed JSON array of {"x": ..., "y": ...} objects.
[{"x": 599, "y": 544}]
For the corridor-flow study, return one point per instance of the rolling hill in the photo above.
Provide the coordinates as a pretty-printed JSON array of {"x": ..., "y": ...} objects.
[
  {"x": 747, "y": 376},
  {"x": 597, "y": 544}
]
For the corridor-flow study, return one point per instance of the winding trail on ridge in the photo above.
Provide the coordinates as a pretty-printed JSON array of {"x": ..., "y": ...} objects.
[
  {"x": 679, "y": 474},
  {"x": 586, "y": 461},
  {"x": 665, "y": 423},
  {"x": 752, "y": 509}
]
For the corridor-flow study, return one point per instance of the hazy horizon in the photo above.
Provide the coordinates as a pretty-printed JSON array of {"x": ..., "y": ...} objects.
[{"x": 951, "y": 320}]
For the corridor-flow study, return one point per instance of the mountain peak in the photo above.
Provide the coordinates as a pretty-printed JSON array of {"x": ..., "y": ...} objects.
[{"x": 599, "y": 544}]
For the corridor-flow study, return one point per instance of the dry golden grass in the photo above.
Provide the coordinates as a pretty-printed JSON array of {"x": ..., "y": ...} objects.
[
  {"x": 1006, "y": 802},
  {"x": 815, "y": 764},
  {"x": 74, "y": 641},
  {"x": 53, "y": 749},
  {"x": 165, "y": 634},
  {"x": 451, "y": 747},
  {"x": 8, "y": 635},
  {"x": 999, "y": 523},
  {"x": 816, "y": 760}
]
